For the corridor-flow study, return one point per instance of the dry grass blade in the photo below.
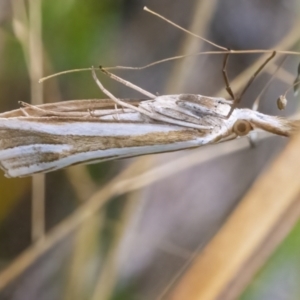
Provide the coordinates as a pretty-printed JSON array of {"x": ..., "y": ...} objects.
[
  {"x": 108, "y": 277},
  {"x": 204, "y": 11},
  {"x": 289, "y": 41},
  {"x": 28, "y": 31},
  {"x": 125, "y": 182},
  {"x": 36, "y": 72},
  {"x": 232, "y": 257},
  {"x": 85, "y": 247}
]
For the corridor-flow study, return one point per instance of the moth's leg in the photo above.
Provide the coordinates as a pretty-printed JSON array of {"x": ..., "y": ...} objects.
[
  {"x": 25, "y": 104},
  {"x": 35, "y": 111},
  {"x": 91, "y": 113},
  {"x": 255, "y": 74},
  {"x": 225, "y": 77},
  {"x": 123, "y": 103},
  {"x": 258, "y": 98},
  {"x": 117, "y": 118},
  {"x": 24, "y": 112},
  {"x": 252, "y": 138},
  {"x": 116, "y": 100},
  {"x": 26, "y": 107},
  {"x": 149, "y": 113},
  {"x": 223, "y": 135},
  {"x": 127, "y": 83},
  {"x": 238, "y": 99}
]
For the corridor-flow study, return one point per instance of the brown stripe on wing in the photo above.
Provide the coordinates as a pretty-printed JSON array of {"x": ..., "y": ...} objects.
[{"x": 11, "y": 138}]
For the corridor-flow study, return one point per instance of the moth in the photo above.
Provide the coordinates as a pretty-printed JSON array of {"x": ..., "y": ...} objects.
[{"x": 48, "y": 137}]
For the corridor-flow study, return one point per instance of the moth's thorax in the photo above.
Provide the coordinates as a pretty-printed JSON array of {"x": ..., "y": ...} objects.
[
  {"x": 195, "y": 109},
  {"x": 204, "y": 105}
]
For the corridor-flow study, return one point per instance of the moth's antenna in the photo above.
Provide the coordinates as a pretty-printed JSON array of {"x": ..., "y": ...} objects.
[
  {"x": 295, "y": 84},
  {"x": 183, "y": 29},
  {"x": 64, "y": 72},
  {"x": 257, "y": 100}
]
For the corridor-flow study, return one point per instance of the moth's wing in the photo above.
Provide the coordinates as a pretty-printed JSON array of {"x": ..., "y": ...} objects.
[{"x": 33, "y": 145}]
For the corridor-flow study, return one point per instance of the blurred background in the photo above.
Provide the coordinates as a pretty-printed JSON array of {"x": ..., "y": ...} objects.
[{"x": 98, "y": 231}]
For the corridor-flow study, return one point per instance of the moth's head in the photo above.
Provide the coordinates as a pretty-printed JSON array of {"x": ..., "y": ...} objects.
[{"x": 272, "y": 124}]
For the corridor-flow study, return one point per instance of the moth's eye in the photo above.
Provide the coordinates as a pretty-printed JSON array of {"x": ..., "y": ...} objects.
[{"x": 242, "y": 127}]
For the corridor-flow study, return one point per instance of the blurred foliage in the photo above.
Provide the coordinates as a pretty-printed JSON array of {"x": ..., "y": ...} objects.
[
  {"x": 78, "y": 34},
  {"x": 14, "y": 189},
  {"x": 75, "y": 34},
  {"x": 283, "y": 266}
]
